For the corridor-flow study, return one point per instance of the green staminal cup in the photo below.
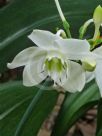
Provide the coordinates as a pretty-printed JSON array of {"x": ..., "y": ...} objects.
[
  {"x": 89, "y": 65},
  {"x": 55, "y": 65}
]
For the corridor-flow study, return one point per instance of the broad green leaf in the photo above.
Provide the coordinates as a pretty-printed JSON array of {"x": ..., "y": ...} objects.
[
  {"x": 14, "y": 100},
  {"x": 19, "y": 17},
  {"x": 74, "y": 106},
  {"x": 99, "y": 119}
]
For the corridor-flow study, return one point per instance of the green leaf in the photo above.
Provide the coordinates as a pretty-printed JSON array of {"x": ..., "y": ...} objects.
[
  {"x": 14, "y": 100},
  {"x": 74, "y": 106},
  {"x": 99, "y": 119},
  {"x": 19, "y": 17}
]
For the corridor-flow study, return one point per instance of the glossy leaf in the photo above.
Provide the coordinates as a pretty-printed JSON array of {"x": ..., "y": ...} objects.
[
  {"x": 14, "y": 100},
  {"x": 74, "y": 106},
  {"x": 20, "y": 17}
]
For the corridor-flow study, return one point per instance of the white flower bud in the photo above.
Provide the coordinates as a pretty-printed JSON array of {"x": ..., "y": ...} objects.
[
  {"x": 89, "y": 65},
  {"x": 97, "y": 16}
]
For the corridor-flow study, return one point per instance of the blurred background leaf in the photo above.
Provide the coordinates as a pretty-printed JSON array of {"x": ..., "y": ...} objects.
[{"x": 14, "y": 100}]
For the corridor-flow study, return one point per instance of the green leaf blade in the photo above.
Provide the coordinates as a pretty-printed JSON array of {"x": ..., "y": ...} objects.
[
  {"x": 14, "y": 100},
  {"x": 74, "y": 106}
]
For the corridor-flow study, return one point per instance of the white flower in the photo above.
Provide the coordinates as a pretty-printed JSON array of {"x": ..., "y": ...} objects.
[
  {"x": 97, "y": 68},
  {"x": 52, "y": 57}
]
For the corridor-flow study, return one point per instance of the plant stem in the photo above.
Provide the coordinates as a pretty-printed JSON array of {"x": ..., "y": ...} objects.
[
  {"x": 96, "y": 34},
  {"x": 66, "y": 27},
  {"x": 64, "y": 21}
]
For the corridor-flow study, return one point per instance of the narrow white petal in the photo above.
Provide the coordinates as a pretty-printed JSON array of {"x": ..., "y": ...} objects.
[
  {"x": 80, "y": 56},
  {"x": 76, "y": 78},
  {"x": 38, "y": 55},
  {"x": 73, "y": 45},
  {"x": 74, "y": 49},
  {"x": 23, "y": 57},
  {"x": 43, "y": 39},
  {"x": 98, "y": 75},
  {"x": 27, "y": 78},
  {"x": 89, "y": 76},
  {"x": 54, "y": 75},
  {"x": 62, "y": 78},
  {"x": 63, "y": 75},
  {"x": 33, "y": 73}
]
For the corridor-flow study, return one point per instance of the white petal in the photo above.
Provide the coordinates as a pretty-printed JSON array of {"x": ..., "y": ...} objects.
[
  {"x": 62, "y": 78},
  {"x": 33, "y": 73},
  {"x": 98, "y": 53},
  {"x": 23, "y": 57},
  {"x": 38, "y": 55},
  {"x": 44, "y": 39},
  {"x": 74, "y": 49},
  {"x": 27, "y": 78},
  {"x": 76, "y": 79},
  {"x": 98, "y": 75},
  {"x": 98, "y": 50},
  {"x": 89, "y": 76},
  {"x": 63, "y": 75},
  {"x": 27, "y": 55},
  {"x": 54, "y": 75},
  {"x": 72, "y": 45}
]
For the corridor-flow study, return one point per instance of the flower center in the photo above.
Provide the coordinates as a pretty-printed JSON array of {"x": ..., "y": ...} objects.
[
  {"x": 55, "y": 64},
  {"x": 55, "y": 67}
]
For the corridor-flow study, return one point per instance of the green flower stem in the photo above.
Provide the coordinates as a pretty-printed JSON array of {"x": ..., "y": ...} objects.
[
  {"x": 83, "y": 28},
  {"x": 65, "y": 23},
  {"x": 60, "y": 10},
  {"x": 29, "y": 110},
  {"x": 66, "y": 27},
  {"x": 97, "y": 33}
]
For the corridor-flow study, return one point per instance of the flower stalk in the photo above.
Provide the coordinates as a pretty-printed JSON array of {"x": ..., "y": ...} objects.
[
  {"x": 65, "y": 23},
  {"x": 97, "y": 33},
  {"x": 83, "y": 28}
]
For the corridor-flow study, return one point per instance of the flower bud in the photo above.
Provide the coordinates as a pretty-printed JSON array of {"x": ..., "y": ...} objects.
[
  {"x": 97, "y": 16},
  {"x": 89, "y": 65}
]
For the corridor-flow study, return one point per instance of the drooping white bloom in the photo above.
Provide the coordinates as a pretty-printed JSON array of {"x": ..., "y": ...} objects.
[
  {"x": 97, "y": 68},
  {"x": 52, "y": 57}
]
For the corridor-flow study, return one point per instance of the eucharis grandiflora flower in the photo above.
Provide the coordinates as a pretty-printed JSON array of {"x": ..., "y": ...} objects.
[
  {"x": 97, "y": 19},
  {"x": 54, "y": 57},
  {"x": 93, "y": 66}
]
